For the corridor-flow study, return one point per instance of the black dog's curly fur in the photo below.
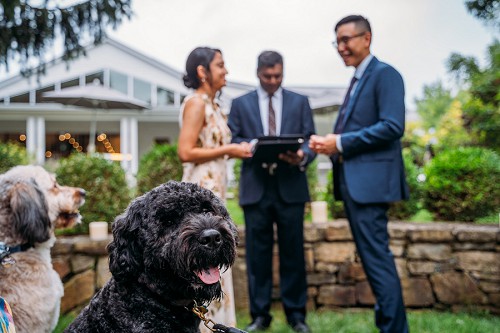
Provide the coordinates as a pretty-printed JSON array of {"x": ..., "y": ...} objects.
[{"x": 158, "y": 245}]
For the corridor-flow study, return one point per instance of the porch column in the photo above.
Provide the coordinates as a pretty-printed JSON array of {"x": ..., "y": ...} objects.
[
  {"x": 35, "y": 139},
  {"x": 129, "y": 147}
]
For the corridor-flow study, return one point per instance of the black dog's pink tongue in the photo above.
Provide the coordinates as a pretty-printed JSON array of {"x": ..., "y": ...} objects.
[{"x": 209, "y": 276}]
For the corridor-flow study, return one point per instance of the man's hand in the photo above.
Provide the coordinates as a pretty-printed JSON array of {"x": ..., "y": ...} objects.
[
  {"x": 292, "y": 158},
  {"x": 324, "y": 144}
]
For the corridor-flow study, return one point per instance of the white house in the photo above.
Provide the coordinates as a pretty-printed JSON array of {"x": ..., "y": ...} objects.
[{"x": 51, "y": 130}]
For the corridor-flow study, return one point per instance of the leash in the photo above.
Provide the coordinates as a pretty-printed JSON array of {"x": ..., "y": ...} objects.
[{"x": 201, "y": 310}]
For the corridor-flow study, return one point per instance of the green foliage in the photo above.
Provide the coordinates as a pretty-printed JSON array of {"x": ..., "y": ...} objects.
[
  {"x": 336, "y": 207},
  {"x": 485, "y": 10},
  {"x": 312, "y": 179},
  {"x": 463, "y": 184},
  {"x": 28, "y": 29},
  {"x": 158, "y": 166},
  {"x": 403, "y": 210},
  {"x": 107, "y": 191},
  {"x": 481, "y": 111},
  {"x": 433, "y": 105},
  {"x": 12, "y": 154}
]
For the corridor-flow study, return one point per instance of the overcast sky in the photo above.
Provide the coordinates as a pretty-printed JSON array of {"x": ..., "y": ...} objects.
[{"x": 415, "y": 36}]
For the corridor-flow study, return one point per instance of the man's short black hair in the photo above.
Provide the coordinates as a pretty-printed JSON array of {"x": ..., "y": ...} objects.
[
  {"x": 269, "y": 59},
  {"x": 358, "y": 20}
]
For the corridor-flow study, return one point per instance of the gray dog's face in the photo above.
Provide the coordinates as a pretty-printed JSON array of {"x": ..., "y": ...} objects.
[{"x": 175, "y": 240}]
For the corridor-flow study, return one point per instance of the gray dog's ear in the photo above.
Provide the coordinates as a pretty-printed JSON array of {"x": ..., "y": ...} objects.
[
  {"x": 125, "y": 251},
  {"x": 30, "y": 217}
]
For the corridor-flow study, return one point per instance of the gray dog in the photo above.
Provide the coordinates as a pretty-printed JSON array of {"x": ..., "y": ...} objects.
[{"x": 167, "y": 252}]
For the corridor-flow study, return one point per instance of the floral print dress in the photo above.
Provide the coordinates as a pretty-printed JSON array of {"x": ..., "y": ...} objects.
[{"x": 213, "y": 176}]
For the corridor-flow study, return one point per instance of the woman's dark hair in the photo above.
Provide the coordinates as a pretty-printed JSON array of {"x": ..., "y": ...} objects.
[
  {"x": 199, "y": 56},
  {"x": 358, "y": 20}
]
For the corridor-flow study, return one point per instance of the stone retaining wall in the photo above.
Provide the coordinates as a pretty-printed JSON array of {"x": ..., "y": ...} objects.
[{"x": 441, "y": 265}]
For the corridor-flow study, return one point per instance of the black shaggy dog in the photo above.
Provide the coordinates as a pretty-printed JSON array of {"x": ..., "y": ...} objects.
[{"x": 167, "y": 252}]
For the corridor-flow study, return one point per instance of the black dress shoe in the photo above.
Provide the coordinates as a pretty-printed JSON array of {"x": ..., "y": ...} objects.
[
  {"x": 301, "y": 327},
  {"x": 260, "y": 323}
]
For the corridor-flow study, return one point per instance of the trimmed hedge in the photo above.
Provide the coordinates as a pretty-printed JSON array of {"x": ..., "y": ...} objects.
[
  {"x": 158, "y": 166},
  {"x": 104, "y": 181},
  {"x": 12, "y": 154},
  {"x": 463, "y": 184}
]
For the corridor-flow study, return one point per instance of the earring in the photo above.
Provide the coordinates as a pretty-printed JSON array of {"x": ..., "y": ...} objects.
[{"x": 203, "y": 80}]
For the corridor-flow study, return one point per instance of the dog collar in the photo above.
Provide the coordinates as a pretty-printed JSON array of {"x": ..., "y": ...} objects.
[{"x": 19, "y": 248}]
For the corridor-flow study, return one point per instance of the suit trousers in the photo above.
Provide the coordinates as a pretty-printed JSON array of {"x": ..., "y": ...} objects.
[
  {"x": 259, "y": 230},
  {"x": 368, "y": 224}
]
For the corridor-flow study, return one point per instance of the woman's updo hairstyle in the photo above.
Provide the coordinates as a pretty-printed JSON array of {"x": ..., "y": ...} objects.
[{"x": 199, "y": 56}]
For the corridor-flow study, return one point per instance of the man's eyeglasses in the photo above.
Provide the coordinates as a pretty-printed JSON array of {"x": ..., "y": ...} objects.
[{"x": 346, "y": 39}]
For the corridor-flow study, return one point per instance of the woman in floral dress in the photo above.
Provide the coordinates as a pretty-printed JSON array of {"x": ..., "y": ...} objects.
[{"x": 204, "y": 146}]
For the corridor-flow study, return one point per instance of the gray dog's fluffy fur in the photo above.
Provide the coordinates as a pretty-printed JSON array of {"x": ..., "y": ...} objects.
[{"x": 159, "y": 244}]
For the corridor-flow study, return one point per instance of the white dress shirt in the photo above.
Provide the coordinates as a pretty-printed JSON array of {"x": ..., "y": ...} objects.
[{"x": 277, "y": 101}]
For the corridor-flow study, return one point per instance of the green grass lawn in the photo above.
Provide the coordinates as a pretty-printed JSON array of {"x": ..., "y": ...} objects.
[{"x": 361, "y": 321}]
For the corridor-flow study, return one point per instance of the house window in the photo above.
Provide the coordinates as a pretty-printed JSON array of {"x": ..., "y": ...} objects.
[
  {"x": 23, "y": 98},
  {"x": 118, "y": 81},
  {"x": 70, "y": 83},
  {"x": 165, "y": 96},
  {"x": 39, "y": 93},
  {"x": 89, "y": 79},
  {"x": 142, "y": 90}
]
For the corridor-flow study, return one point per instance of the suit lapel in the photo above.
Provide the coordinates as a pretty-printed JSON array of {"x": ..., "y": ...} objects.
[
  {"x": 359, "y": 88},
  {"x": 285, "y": 106},
  {"x": 255, "y": 112}
]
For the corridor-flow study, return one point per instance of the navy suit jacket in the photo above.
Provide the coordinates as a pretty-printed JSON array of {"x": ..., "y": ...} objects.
[
  {"x": 245, "y": 124},
  {"x": 374, "y": 122}
]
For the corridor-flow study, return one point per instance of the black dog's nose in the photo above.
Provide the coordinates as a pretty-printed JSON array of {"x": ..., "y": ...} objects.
[{"x": 210, "y": 238}]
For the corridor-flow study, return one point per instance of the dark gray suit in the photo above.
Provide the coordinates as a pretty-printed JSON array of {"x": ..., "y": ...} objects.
[{"x": 267, "y": 199}]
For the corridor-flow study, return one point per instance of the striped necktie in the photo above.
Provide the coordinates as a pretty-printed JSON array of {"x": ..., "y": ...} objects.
[
  {"x": 272, "y": 117},
  {"x": 339, "y": 126}
]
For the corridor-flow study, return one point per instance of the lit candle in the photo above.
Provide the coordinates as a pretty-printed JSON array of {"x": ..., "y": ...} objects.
[
  {"x": 319, "y": 211},
  {"x": 98, "y": 230}
]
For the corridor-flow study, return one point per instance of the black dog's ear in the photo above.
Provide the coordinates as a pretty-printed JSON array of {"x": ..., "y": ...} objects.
[
  {"x": 30, "y": 217},
  {"x": 125, "y": 251}
]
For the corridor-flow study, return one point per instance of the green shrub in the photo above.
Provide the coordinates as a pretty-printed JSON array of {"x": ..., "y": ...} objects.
[
  {"x": 463, "y": 184},
  {"x": 12, "y": 154},
  {"x": 336, "y": 207},
  {"x": 403, "y": 210},
  {"x": 312, "y": 180},
  {"x": 103, "y": 180},
  {"x": 158, "y": 166}
]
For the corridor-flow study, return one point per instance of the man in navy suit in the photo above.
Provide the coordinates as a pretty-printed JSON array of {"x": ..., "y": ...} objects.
[
  {"x": 274, "y": 193},
  {"x": 368, "y": 166}
]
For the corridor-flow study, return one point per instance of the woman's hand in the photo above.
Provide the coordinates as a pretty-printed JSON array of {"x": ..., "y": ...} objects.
[{"x": 240, "y": 150}]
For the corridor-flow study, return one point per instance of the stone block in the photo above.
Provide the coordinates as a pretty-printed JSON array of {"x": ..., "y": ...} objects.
[
  {"x": 78, "y": 290},
  {"x": 309, "y": 258},
  {"x": 432, "y": 233},
  {"x": 102, "y": 272},
  {"x": 397, "y": 247},
  {"x": 486, "y": 262},
  {"x": 398, "y": 230},
  {"x": 429, "y": 267},
  {"x": 327, "y": 267},
  {"x": 494, "y": 299},
  {"x": 335, "y": 252},
  {"x": 429, "y": 251},
  {"x": 311, "y": 234},
  {"x": 364, "y": 294},
  {"x": 318, "y": 279},
  {"x": 457, "y": 288},
  {"x": 489, "y": 286},
  {"x": 474, "y": 246},
  {"x": 80, "y": 263},
  {"x": 86, "y": 246},
  {"x": 401, "y": 267},
  {"x": 476, "y": 233},
  {"x": 63, "y": 245},
  {"x": 350, "y": 272},
  {"x": 337, "y": 295},
  {"x": 62, "y": 265},
  {"x": 338, "y": 231},
  {"x": 417, "y": 292}
]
